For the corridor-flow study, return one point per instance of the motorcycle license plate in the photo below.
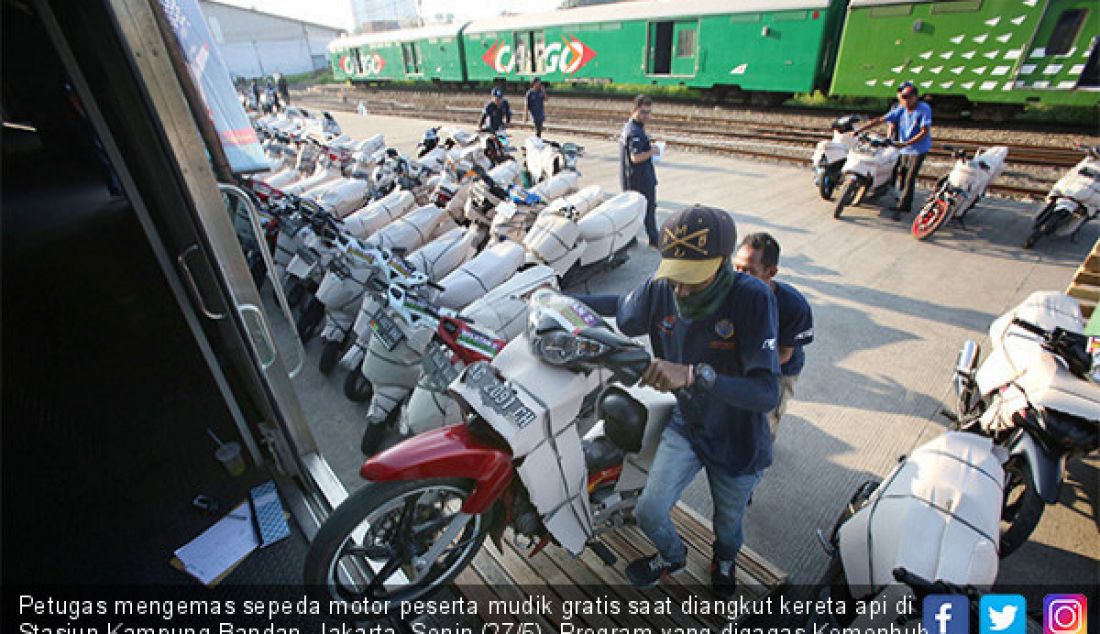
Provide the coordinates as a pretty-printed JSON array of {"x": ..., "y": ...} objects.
[
  {"x": 497, "y": 396},
  {"x": 438, "y": 370},
  {"x": 385, "y": 328}
]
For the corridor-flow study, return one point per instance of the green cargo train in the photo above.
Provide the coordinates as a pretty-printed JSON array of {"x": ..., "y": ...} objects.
[
  {"x": 981, "y": 51},
  {"x": 427, "y": 53},
  {"x": 773, "y": 46},
  {"x": 999, "y": 53}
]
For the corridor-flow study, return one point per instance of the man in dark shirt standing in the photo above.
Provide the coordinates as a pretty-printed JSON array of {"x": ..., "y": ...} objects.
[
  {"x": 283, "y": 87},
  {"x": 497, "y": 112},
  {"x": 714, "y": 341},
  {"x": 533, "y": 104},
  {"x": 636, "y": 163},
  {"x": 759, "y": 257}
]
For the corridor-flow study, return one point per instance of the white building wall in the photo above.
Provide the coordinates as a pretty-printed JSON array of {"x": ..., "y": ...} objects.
[{"x": 255, "y": 44}]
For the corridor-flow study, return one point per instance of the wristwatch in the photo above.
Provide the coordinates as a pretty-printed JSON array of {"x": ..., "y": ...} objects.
[{"x": 705, "y": 376}]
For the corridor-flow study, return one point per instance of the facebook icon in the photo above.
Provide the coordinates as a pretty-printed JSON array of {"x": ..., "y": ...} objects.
[{"x": 946, "y": 614}]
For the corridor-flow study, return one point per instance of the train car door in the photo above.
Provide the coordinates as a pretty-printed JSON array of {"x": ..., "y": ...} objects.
[
  {"x": 672, "y": 47},
  {"x": 685, "y": 45}
]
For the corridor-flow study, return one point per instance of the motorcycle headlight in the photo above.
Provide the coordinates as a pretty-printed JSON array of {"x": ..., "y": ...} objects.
[{"x": 561, "y": 348}]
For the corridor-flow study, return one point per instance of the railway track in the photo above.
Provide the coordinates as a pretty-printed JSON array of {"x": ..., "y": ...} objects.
[
  {"x": 784, "y": 144},
  {"x": 728, "y": 109}
]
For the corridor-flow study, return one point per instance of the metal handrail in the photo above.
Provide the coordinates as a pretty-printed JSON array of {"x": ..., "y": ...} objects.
[{"x": 269, "y": 263}]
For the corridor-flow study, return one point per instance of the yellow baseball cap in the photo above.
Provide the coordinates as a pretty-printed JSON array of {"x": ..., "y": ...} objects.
[{"x": 694, "y": 241}]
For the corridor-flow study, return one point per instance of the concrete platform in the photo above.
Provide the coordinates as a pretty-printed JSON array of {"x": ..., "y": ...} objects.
[{"x": 890, "y": 315}]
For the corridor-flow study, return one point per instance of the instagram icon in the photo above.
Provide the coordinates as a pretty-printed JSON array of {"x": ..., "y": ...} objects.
[{"x": 1065, "y": 614}]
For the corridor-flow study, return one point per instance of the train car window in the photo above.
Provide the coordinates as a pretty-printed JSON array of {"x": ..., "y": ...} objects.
[
  {"x": 610, "y": 26},
  {"x": 956, "y": 6},
  {"x": 540, "y": 52},
  {"x": 791, "y": 16},
  {"x": 738, "y": 18},
  {"x": 891, "y": 11},
  {"x": 525, "y": 48},
  {"x": 685, "y": 43},
  {"x": 1090, "y": 77},
  {"x": 410, "y": 54},
  {"x": 1066, "y": 30}
]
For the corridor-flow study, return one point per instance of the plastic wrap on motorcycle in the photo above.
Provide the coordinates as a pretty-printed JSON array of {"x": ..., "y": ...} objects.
[
  {"x": 547, "y": 441},
  {"x": 937, "y": 515}
]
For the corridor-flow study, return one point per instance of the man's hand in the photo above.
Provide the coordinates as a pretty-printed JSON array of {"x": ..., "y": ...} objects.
[{"x": 665, "y": 376}]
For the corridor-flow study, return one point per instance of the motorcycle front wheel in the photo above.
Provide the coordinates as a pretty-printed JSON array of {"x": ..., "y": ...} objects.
[
  {"x": 932, "y": 216},
  {"x": 311, "y": 319},
  {"x": 826, "y": 185},
  {"x": 1042, "y": 226},
  {"x": 372, "y": 549},
  {"x": 357, "y": 387},
  {"x": 847, "y": 194},
  {"x": 1022, "y": 506},
  {"x": 331, "y": 352}
]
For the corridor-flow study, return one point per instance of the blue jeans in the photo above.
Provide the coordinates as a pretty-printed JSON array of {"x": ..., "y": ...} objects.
[{"x": 674, "y": 467}]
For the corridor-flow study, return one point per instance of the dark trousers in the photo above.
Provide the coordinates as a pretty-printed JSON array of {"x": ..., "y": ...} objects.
[
  {"x": 650, "y": 194},
  {"x": 538, "y": 128},
  {"x": 906, "y": 178}
]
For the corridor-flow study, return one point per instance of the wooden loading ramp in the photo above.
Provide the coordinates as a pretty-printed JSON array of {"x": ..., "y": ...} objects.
[
  {"x": 553, "y": 572},
  {"x": 1085, "y": 287}
]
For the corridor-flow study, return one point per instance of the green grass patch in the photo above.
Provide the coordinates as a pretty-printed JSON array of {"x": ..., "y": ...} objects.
[
  {"x": 311, "y": 78},
  {"x": 1082, "y": 116}
]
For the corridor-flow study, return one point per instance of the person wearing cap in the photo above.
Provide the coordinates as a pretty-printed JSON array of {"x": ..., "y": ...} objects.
[
  {"x": 910, "y": 124},
  {"x": 636, "y": 162},
  {"x": 758, "y": 256},
  {"x": 533, "y": 103},
  {"x": 713, "y": 331},
  {"x": 497, "y": 112}
]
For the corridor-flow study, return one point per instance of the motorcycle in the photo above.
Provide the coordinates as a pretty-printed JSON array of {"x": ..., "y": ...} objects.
[
  {"x": 342, "y": 288},
  {"x": 388, "y": 373},
  {"x": 1073, "y": 201},
  {"x": 543, "y": 159},
  {"x": 329, "y": 168},
  {"x": 313, "y": 262},
  {"x": 346, "y": 195},
  {"x": 829, "y": 156},
  {"x": 513, "y": 216},
  {"x": 499, "y": 317},
  {"x": 957, "y": 193},
  {"x": 1037, "y": 396},
  {"x": 488, "y": 190},
  {"x": 578, "y": 243},
  {"x": 516, "y": 459},
  {"x": 395, "y": 171},
  {"x": 868, "y": 171},
  {"x": 935, "y": 516},
  {"x": 274, "y": 184},
  {"x": 379, "y": 213}
]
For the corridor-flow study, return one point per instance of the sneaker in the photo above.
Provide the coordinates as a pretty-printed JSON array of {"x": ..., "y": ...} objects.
[
  {"x": 372, "y": 438},
  {"x": 647, "y": 571},
  {"x": 723, "y": 578}
]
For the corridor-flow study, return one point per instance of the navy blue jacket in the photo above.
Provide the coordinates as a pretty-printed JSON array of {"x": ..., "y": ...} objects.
[{"x": 726, "y": 425}]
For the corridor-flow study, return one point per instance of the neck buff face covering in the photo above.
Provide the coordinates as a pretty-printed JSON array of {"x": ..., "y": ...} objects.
[{"x": 705, "y": 302}]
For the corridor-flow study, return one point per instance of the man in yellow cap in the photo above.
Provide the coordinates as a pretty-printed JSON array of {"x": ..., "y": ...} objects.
[{"x": 713, "y": 332}]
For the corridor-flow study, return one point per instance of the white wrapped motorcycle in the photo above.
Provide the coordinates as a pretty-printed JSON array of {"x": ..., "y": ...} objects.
[{"x": 518, "y": 459}]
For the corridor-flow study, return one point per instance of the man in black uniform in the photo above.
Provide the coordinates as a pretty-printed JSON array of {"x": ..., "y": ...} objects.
[
  {"x": 636, "y": 163},
  {"x": 497, "y": 112},
  {"x": 758, "y": 256}
]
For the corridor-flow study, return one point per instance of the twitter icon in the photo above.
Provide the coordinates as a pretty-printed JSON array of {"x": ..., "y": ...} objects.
[{"x": 1002, "y": 614}]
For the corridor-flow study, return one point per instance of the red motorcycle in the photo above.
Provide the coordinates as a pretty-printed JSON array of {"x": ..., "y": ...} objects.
[{"x": 517, "y": 460}]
